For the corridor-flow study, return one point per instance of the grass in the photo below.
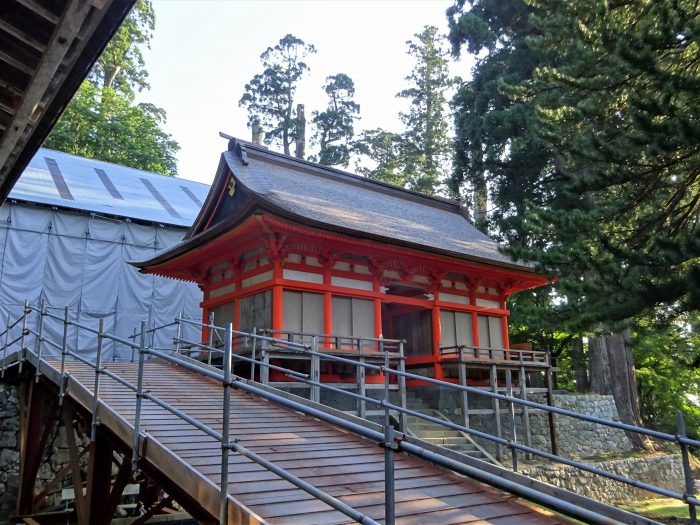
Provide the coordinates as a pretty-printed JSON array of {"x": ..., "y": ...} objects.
[{"x": 658, "y": 508}]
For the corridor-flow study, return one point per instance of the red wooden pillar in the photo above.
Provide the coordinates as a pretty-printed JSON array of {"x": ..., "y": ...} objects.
[
  {"x": 327, "y": 299},
  {"x": 277, "y": 296},
  {"x": 437, "y": 337},
  {"x": 504, "y": 324}
]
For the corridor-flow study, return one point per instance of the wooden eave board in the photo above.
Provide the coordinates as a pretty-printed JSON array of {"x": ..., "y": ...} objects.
[{"x": 342, "y": 464}]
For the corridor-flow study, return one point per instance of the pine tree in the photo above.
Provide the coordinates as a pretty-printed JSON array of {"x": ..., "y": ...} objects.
[
  {"x": 269, "y": 96},
  {"x": 419, "y": 157},
  {"x": 426, "y": 145},
  {"x": 621, "y": 110},
  {"x": 335, "y": 126}
]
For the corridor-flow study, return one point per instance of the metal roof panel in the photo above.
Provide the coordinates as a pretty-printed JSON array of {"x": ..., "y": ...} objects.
[{"x": 90, "y": 193}]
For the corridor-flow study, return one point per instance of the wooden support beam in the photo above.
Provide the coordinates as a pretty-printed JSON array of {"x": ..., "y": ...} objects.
[
  {"x": 21, "y": 36},
  {"x": 39, "y": 10},
  {"x": 99, "y": 478},
  {"x": 36, "y": 427},
  {"x": 123, "y": 477},
  {"x": 53, "y": 485},
  {"x": 74, "y": 461},
  {"x": 153, "y": 511}
]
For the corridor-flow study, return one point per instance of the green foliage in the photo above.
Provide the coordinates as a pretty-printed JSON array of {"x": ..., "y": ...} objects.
[
  {"x": 269, "y": 96},
  {"x": 121, "y": 65},
  {"x": 427, "y": 147},
  {"x": 102, "y": 124},
  {"x": 418, "y": 157},
  {"x": 499, "y": 156},
  {"x": 384, "y": 149},
  {"x": 335, "y": 126},
  {"x": 667, "y": 356},
  {"x": 619, "y": 106}
]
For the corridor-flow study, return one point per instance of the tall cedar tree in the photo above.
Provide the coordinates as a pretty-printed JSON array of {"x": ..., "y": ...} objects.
[
  {"x": 620, "y": 108},
  {"x": 419, "y": 157},
  {"x": 426, "y": 145},
  {"x": 269, "y": 96},
  {"x": 103, "y": 122},
  {"x": 499, "y": 156},
  {"x": 335, "y": 127}
]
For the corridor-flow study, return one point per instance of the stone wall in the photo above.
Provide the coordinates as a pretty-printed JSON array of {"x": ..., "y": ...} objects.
[
  {"x": 660, "y": 471},
  {"x": 575, "y": 438},
  {"x": 55, "y": 455},
  {"x": 9, "y": 454}
]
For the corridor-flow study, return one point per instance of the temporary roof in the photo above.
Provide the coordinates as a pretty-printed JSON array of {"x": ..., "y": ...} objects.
[
  {"x": 59, "y": 179},
  {"x": 334, "y": 200},
  {"x": 47, "y": 48}
]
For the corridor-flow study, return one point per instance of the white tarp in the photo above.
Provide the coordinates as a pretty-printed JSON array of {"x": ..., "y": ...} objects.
[{"x": 81, "y": 261}]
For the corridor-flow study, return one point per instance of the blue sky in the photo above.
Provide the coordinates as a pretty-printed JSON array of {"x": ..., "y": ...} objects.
[{"x": 203, "y": 52}]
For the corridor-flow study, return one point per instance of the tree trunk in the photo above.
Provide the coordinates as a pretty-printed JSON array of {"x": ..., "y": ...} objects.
[
  {"x": 612, "y": 372},
  {"x": 579, "y": 365},
  {"x": 301, "y": 132},
  {"x": 598, "y": 366},
  {"x": 624, "y": 383}
]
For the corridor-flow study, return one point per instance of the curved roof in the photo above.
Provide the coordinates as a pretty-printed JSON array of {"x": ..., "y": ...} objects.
[
  {"x": 59, "y": 179},
  {"x": 356, "y": 204},
  {"x": 252, "y": 177}
]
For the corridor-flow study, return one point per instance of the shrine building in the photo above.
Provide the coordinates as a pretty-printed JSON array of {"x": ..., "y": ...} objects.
[{"x": 301, "y": 249}]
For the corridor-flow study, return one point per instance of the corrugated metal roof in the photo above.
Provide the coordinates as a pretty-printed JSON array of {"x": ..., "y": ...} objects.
[{"x": 60, "y": 179}]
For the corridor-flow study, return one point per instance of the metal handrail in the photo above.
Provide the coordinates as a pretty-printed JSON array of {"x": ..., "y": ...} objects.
[
  {"x": 477, "y": 350},
  {"x": 386, "y": 438},
  {"x": 227, "y": 444}
]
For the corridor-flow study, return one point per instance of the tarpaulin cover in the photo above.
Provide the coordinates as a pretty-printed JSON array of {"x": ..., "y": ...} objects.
[{"x": 80, "y": 261}]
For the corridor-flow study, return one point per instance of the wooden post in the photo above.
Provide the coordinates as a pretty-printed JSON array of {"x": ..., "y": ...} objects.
[
  {"x": 99, "y": 478},
  {"x": 463, "y": 381},
  {"x": 315, "y": 371},
  {"x": 511, "y": 413},
  {"x": 496, "y": 408},
  {"x": 81, "y": 507},
  {"x": 437, "y": 337},
  {"x": 552, "y": 420},
  {"x": 403, "y": 420},
  {"x": 36, "y": 425},
  {"x": 361, "y": 389},
  {"x": 525, "y": 410}
]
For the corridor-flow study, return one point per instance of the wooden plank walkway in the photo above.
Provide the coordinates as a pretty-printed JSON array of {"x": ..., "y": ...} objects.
[{"x": 342, "y": 464}]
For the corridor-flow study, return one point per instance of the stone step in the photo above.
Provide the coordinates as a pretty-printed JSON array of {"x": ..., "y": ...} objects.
[
  {"x": 447, "y": 440},
  {"x": 435, "y": 432}
]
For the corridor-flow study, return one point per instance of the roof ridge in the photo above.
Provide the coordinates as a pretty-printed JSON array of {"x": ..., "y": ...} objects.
[{"x": 243, "y": 149}]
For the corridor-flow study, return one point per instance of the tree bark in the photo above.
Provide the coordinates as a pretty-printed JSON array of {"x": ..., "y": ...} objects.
[
  {"x": 598, "y": 366},
  {"x": 579, "y": 365},
  {"x": 612, "y": 371},
  {"x": 624, "y": 383}
]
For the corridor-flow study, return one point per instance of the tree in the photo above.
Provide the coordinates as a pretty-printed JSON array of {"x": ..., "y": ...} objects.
[
  {"x": 384, "y": 149},
  {"x": 335, "y": 126},
  {"x": 417, "y": 158},
  {"x": 121, "y": 65},
  {"x": 620, "y": 108},
  {"x": 427, "y": 147},
  {"x": 269, "y": 96},
  {"x": 102, "y": 124},
  {"x": 499, "y": 156}
]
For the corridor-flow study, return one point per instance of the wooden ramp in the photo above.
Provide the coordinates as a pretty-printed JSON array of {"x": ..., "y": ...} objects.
[{"x": 340, "y": 463}]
